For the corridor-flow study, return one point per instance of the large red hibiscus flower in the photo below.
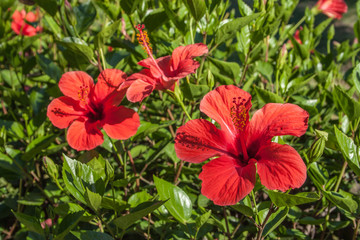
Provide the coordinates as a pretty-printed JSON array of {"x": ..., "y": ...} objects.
[
  {"x": 242, "y": 146},
  {"x": 86, "y": 108},
  {"x": 162, "y": 73},
  {"x": 20, "y": 27},
  {"x": 332, "y": 8}
]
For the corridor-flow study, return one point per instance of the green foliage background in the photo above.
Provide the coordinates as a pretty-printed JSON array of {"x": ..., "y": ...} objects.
[{"x": 92, "y": 195}]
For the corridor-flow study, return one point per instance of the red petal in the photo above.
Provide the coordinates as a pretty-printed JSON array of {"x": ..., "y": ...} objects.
[
  {"x": 107, "y": 86},
  {"x": 153, "y": 66},
  {"x": 225, "y": 182},
  {"x": 63, "y": 110},
  {"x": 199, "y": 140},
  {"x": 218, "y": 103},
  {"x": 139, "y": 90},
  {"x": 280, "y": 167},
  {"x": 275, "y": 119},
  {"x": 121, "y": 122},
  {"x": 77, "y": 85},
  {"x": 185, "y": 68},
  {"x": 31, "y": 17},
  {"x": 83, "y": 135},
  {"x": 185, "y": 52}
]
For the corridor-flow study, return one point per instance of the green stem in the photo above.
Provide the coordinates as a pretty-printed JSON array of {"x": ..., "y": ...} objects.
[
  {"x": 102, "y": 58},
  {"x": 122, "y": 163},
  {"x": 341, "y": 176},
  {"x": 177, "y": 98},
  {"x": 254, "y": 201}
]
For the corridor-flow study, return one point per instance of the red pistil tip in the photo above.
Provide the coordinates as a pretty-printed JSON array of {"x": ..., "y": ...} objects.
[{"x": 143, "y": 39}]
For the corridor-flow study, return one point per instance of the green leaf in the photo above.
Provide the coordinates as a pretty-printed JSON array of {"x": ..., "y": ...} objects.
[
  {"x": 267, "y": 96},
  {"x": 350, "y": 151},
  {"x": 228, "y": 30},
  {"x": 356, "y": 77},
  {"x": 77, "y": 47},
  {"x": 228, "y": 70},
  {"x": 286, "y": 200},
  {"x": 106, "y": 33},
  {"x": 202, "y": 219},
  {"x": 85, "y": 15},
  {"x": 322, "y": 26},
  {"x": 30, "y": 222},
  {"x": 311, "y": 220},
  {"x": 37, "y": 145},
  {"x": 91, "y": 235},
  {"x": 50, "y": 6},
  {"x": 13, "y": 128},
  {"x": 179, "y": 204},
  {"x": 173, "y": 16},
  {"x": 342, "y": 200},
  {"x": 196, "y": 7},
  {"x": 124, "y": 222},
  {"x": 192, "y": 91},
  {"x": 49, "y": 67},
  {"x": 347, "y": 104},
  {"x": 93, "y": 199},
  {"x": 138, "y": 198},
  {"x": 77, "y": 177},
  {"x": 241, "y": 208},
  {"x": 68, "y": 223},
  {"x": 275, "y": 220},
  {"x": 266, "y": 69}
]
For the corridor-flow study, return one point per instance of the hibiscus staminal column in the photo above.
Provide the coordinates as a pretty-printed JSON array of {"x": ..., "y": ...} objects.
[
  {"x": 143, "y": 39},
  {"x": 240, "y": 117}
]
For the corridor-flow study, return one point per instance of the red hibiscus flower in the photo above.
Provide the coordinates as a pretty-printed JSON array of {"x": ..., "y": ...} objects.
[
  {"x": 162, "y": 73},
  {"x": 20, "y": 27},
  {"x": 86, "y": 108},
  {"x": 242, "y": 145},
  {"x": 332, "y": 8}
]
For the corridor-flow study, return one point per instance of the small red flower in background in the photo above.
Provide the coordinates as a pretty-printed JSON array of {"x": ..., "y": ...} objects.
[
  {"x": 162, "y": 73},
  {"x": 240, "y": 144},
  {"x": 86, "y": 108},
  {"x": 297, "y": 35},
  {"x": 332, "y": 8},
  {"x": 20, "y": 27}
]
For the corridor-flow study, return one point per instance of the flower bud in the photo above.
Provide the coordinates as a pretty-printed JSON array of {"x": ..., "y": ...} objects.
[{"x": 317, "y": 148}]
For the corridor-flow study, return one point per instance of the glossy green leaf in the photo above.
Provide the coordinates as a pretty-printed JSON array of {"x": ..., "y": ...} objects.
[
  {"x": 348, "y": 105},
  {"x": 77, "y": 47},
  {"x": 202, "y": 219},
  {"x": 342, "y": 200},
  {"x": 32, "y": 223},
  {"x": 49, "y": 67},
  {"x": 78, "y": 176},
  {"x": 196, "y": 7},
  {"x": 275, "y": 220},
  {"x": 179, "y": 204},
  {"x": 350, "y": 151},
  {"x": 267, "y": 96},
  {"x": 281, "y": 199},
  {"x": 229, "y": 71},
  {"x": 13, "y": 128},
  {"x": 247, "y": 211},
  {"x": 85, "y": 15},
  {"x": 106, "y": 33},
  {"x": 93, "y": 199},
  {"x": 37, "y": 145},
  {"x": 192, "y": 91},
  {"x": 138, "y": 198},
  {"x": 69, "y": 222},
  {"x": 229, "y": 29},
  {"x": 356, "y": 77},
  {"x": 142, "y": 210}
]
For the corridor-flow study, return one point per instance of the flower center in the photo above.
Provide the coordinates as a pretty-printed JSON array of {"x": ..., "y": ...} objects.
[
  {"x": 95, "y": 112},
  {"x": 83, "y": 93},
  {"x": 239, "y": 114}
]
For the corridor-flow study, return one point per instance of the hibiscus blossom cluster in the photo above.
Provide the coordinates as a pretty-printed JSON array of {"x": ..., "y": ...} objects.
[{"x": 240, "y": 148}]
